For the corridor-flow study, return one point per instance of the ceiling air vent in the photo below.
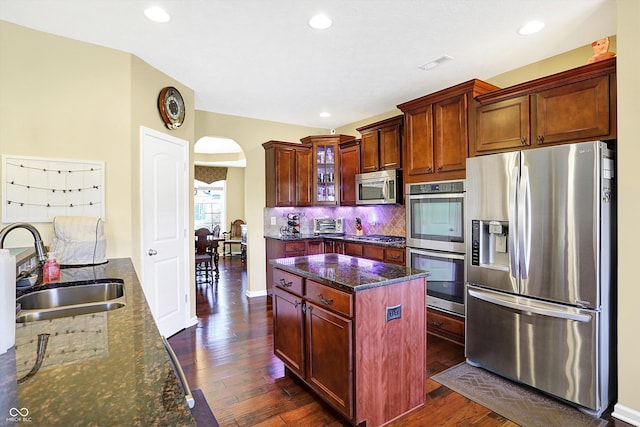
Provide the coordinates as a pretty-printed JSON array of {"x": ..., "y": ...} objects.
[{"x": 433, "y": 64}]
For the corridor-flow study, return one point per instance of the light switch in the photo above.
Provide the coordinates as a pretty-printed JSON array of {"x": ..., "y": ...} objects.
[{"x": 273, "y": 220}]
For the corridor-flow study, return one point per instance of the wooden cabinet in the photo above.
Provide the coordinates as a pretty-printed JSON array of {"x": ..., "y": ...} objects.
[
  {"x": 315, "y": 247},
  {"x": 326, "y": 168},
  {"x": 349, "y": 168},
  {"x": 572, "y": 106},
  {"x": 446, "y": 326},
  {"x": 276, "y": 248},
  {"x": 319, "y": 337},
  {"x": 437, "y": 131},
  {"x": 313, "y": 336},
  {"x": 352, "y": 249},
  {"x": 288, "y": 168},
  {"x": 386, "y": 254},
  {"x": 381, "y": 145}
]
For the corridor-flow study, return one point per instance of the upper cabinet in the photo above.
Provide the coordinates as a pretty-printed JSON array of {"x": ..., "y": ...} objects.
[
  {"x": 572, "y": 106},
  {"x": 381, "y": 146},
  {"x": 288, "y": 168},
  {"x": 349, "y": 168},
  {"x": 437, "y": 131},
  {"x": 326, "y": 168}
]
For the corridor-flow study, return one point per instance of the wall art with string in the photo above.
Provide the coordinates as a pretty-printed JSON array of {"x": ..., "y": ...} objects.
[{"x": 36, "y": 189}]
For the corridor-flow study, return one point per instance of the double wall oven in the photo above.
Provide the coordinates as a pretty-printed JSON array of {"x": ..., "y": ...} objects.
[{"x": 435, "y": 240}]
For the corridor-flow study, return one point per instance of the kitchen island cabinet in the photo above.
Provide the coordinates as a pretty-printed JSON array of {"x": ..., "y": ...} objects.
[
  {"x": 354, "y": 331},
  {"x": 108, "y": 368}
]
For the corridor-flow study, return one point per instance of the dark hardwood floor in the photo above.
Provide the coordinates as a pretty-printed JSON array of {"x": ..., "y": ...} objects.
[{"x": 229, "y": 355}]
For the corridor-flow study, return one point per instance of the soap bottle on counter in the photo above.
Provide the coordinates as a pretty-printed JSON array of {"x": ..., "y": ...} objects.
[{"x": 51, "y": 269}]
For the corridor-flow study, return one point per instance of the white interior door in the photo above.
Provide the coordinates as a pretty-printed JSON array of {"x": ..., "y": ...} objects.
[{"x": 164, "y": 222}]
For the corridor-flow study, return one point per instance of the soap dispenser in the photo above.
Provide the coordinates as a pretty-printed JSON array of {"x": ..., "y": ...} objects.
[{"x": 51, "y": 269}]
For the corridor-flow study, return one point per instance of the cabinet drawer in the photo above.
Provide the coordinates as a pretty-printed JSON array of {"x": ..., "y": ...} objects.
[
  {"x": 394, "y": 256},
  {"x": 373, "y": 252},
  {"x": 330, "y": 298},
  {"x": 288, "y": 281},
  {"x": 446, "y": 326},
  {"x": 353, "y": 249},
  {"x": 294, "y": 248}
]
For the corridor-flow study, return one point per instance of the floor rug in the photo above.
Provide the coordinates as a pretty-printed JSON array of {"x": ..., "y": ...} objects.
[{"x": 520, "y": 404}]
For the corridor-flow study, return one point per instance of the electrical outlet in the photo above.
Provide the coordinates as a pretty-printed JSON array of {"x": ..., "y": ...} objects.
[{"x": 273, "y": 220}]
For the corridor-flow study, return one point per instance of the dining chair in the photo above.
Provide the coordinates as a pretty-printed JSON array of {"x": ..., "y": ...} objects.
[
  {"x": 204, "y": 255},
  {"x": 232, "y": 237}
]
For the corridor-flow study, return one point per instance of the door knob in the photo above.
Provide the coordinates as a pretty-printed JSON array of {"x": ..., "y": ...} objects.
[{"x": 153, "y": 252}]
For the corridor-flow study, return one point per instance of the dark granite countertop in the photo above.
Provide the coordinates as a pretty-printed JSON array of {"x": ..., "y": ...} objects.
[
  {"x": 346, "y": 272},
  {"x": 101, "y": 369},
  {"x": 345, "y": 237}
]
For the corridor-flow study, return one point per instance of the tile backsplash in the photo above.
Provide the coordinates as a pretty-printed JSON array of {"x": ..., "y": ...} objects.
[{"x": 381, "y": 219}]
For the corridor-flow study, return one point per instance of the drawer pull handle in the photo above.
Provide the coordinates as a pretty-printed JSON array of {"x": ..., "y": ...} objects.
[
  {"x": 394, "y": 256},
  {"x": 285, "y": 284},
  {"x": 437, "y": 324},
  {"x": 296, "y": 304},
  {"x": 325, "y": 301}
]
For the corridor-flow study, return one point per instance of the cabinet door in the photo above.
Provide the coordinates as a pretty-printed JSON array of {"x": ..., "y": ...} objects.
[
  {"x": 302, "y": 180},
  {"x": 390, "y": 142},
  {"x": 352, "y": 249},
  {"x": 288, "y": 330},
  {"x": 315, "y": 247},
  {"x": 285, "y": 161},
  {"x": 330, "y": 357},
  {"x": 450, "y": 138},
  {"x": 326, "y": 179},
  {"x": 370, "y": 156},
  {"x": 503, "y": 125},
  {"x": 349, "y": 168},
  {"x": 575, "y": 112},
  {"x": 419, "y": 142}
]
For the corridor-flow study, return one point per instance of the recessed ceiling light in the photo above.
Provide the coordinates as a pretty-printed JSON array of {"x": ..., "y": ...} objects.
[
  {"x": 320, "y": 22},
  {"x": 325, "y": 114},
  {"x": 530, "y": 28},
  {"x": 157, "y": 14},
  {"x": 436, "y": 62}
]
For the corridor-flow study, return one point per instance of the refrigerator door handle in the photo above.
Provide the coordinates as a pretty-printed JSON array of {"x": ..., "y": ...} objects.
[
  {"x": 524, "y": 222},
  {"x": 513, "y": 254},
  {"x": 504, "y": 302}
]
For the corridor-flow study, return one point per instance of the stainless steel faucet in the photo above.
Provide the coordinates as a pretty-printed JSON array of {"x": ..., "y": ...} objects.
[{"x": 39, "y": 245}]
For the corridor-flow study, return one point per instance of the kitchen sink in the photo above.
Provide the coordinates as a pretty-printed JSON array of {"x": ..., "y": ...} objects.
[{"x": 65, "y": 301}]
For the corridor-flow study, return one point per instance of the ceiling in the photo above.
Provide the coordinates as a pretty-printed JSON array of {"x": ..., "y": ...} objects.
[{"x": 260, "y": 59}]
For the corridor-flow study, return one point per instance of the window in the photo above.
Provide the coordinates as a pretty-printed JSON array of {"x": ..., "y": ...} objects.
[{"x": 208, "y": 209}]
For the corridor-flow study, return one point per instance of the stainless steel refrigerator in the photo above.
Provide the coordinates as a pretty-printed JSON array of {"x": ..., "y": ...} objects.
[{"x": 540, "y": 239}]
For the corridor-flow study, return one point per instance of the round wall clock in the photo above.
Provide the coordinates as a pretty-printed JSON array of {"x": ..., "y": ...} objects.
[{"x": 171, "y": 106}]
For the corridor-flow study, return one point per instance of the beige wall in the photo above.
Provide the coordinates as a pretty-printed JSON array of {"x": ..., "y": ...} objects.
[
  {"x": 65, "y": 99},
  {"x": 235, "y": 196},
  {"x": 628, "y": 14}
]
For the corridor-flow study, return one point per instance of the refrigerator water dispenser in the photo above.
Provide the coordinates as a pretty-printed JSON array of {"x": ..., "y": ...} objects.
[{"x": 489, "y": 244}]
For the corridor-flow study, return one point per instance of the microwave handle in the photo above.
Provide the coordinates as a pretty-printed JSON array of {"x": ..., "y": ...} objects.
[{"x": 384, "y": 190}]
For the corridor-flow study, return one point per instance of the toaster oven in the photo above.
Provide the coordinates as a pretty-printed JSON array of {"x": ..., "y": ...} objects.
[{"x": 328, "y": 226}]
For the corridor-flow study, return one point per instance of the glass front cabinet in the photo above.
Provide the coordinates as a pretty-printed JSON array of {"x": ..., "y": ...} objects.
[{"x": 326, "y": 168}]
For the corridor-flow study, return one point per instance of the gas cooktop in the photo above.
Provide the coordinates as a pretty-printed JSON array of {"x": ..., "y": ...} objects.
[{"x": 379, "y": 238}]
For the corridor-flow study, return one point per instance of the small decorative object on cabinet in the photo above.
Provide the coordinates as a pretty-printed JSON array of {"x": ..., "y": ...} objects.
[
  {"x": 600, "y": 50},
  {"x": 326, "y": 167},
  {"x": 171, "y": 106},
  {"x": 381, "y": 145},
  {"x": 288, "y": 169},
  {"x": 572, "y": 106},
  {"x": 438, "y": 128}
]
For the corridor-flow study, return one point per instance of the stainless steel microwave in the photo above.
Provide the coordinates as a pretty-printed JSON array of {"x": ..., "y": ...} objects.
[{"x": 379, "y": 188}]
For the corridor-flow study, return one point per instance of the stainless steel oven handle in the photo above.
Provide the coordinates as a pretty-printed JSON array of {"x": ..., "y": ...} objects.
[
  {"x": 435, "y": 196},
  {"x": 437, "y": 254}
]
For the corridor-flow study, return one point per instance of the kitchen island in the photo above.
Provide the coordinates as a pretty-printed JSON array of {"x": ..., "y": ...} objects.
[
  {"x": 108, "y": 368},
  {"x": 354, "y": 330}
]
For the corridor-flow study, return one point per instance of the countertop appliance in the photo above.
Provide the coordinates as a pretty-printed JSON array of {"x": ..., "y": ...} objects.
[
  {"x": 435, "y": 241},
  {"x": 328, "y": 226},
  {"x": 379, "y": 188},
  {"x": 540, "y": 270}
]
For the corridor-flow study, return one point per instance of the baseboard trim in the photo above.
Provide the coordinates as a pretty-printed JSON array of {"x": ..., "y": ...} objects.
[
  {"x": 626, "y": 414},
  {"x": 254, "y": 294}
]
